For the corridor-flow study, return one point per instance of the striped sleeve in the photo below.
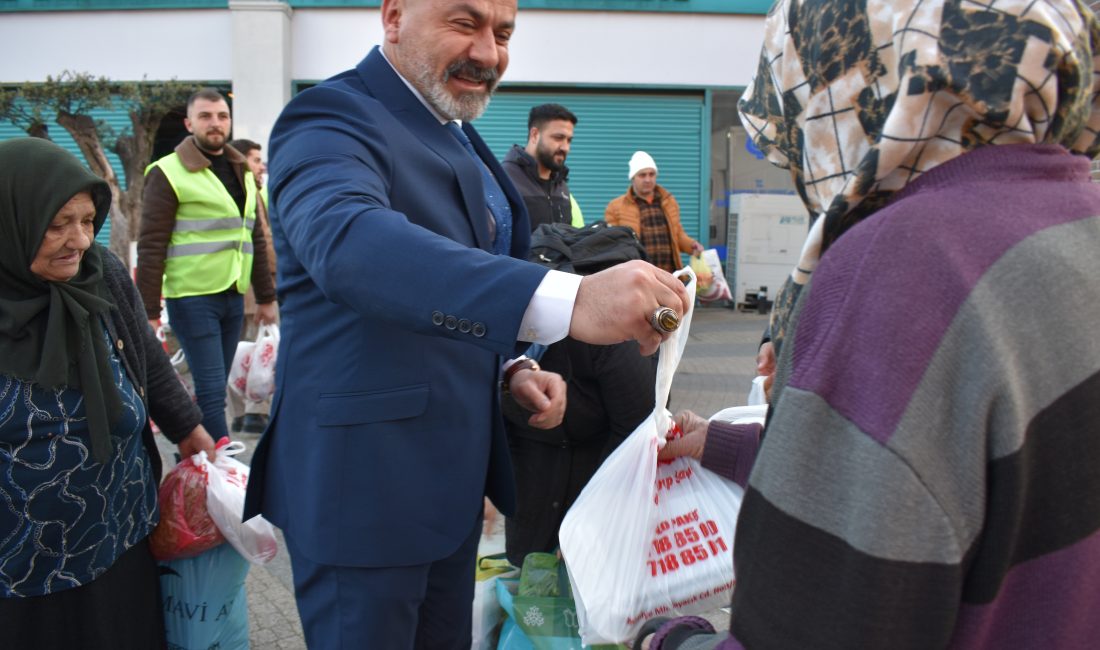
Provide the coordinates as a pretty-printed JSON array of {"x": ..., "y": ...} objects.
[{"x": 923, "y": 479}]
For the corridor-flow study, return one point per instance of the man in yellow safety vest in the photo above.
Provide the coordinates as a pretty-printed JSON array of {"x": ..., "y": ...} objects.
[{"x": 200, "y": 246}]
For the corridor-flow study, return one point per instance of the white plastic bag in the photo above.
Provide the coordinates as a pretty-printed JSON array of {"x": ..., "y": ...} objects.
[
  {"x": 179, "y": 365},
  {"x": 260, "y": 385},
  {"x": 225, "y": 488},
  {"x": 742, "y": 414},
  {"x": 757, "y": 395},
  {"x": 646, "y": 539},
  {"x": 242, "y": 361},
  {"x": 486, "y": 609},
  {"x": 719, "y": 289}
]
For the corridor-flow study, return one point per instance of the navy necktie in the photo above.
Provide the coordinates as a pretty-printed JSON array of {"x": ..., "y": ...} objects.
[{"x": 494, "y": 196}]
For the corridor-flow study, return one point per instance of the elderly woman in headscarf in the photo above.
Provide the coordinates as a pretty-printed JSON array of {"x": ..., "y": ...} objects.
[
  {"x": 81, "y": 372},
  {"x": 928, "y": 475}
]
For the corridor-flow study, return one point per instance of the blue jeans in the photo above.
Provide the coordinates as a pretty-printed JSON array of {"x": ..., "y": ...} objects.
[{"x": 208, "y": 329}]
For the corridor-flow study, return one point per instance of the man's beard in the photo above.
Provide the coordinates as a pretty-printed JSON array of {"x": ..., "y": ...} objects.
[
  {"x": 546, "y": 158},
  {"x": 465, "y": 106},
  {"x": 209, "y": 145}
]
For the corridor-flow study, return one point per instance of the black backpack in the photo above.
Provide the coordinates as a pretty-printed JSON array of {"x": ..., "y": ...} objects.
[{"x": 586, "y": 250}]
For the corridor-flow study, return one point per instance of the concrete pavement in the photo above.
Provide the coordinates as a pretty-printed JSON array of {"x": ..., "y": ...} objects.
[{"x": 715, "y": 372}]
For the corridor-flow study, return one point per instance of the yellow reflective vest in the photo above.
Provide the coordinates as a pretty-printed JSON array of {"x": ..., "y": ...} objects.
[{"x": 211, "y": 245}]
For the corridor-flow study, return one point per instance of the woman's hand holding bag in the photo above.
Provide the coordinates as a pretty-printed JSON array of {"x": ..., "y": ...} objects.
[{"x": 202, "y": 502}]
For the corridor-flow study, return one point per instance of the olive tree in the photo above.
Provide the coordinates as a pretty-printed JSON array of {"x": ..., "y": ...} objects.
[{"x": 69, "y": 99}]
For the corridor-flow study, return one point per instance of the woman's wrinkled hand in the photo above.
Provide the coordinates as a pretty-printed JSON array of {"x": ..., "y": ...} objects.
[
  {"x": 196, "y": 441},
  {"x": 693, "y": 440}
]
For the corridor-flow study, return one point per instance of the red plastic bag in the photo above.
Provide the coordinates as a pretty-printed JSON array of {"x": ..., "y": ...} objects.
[{"x": 185, "y": 528}]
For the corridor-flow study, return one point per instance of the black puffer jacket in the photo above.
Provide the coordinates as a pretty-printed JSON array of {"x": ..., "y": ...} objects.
[{"x": 543, "y": 207}]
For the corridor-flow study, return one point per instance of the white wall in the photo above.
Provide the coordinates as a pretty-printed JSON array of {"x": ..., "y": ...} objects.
[
  {"x": 261, "y": 66},
  {"x": 123, "y": 45},
  {"x": 582, "y": 47},
  {"x": 549, "y": 46}
]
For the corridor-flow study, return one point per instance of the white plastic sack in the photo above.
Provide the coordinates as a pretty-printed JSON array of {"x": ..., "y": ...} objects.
[
  {"x": 719, "y": 289},
  {"x": 757, "y": 395},
  {"x": 227, "y": 479},
  {"x": 646, "y": 539},
  {"x": 179, "y": 365},
  {"x": 742, "y": 414},
  {"x": 261, "y": 371},
  {"x": 487, "y": 613},
  {"x": 238, "y": 372}
]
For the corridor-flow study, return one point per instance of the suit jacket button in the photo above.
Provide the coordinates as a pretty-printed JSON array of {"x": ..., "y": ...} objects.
[
  {"x": 478, "y": 330},
  {"x": 450, "y": 322},
  {"x": 464, "y": 326},
  {"x": 119, "y": 344},
  {"x": 437, "y": 318}
]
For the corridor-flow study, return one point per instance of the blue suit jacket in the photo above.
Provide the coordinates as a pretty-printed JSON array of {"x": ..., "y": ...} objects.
[{"x": 386, "y": 429}]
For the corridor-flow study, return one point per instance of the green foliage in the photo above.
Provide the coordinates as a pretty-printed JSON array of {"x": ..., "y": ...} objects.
[
  {"x": 69, "y": 100},
  {"x": 34, "y": 104}
]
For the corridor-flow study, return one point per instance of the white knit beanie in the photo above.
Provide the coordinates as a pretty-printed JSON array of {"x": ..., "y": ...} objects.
[{"x": 639, "y": 161}]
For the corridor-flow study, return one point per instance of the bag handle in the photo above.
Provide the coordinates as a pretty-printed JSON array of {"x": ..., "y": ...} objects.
[
  {"x": 227, "y": 448},
  {"x": 268, "y": 329},
  {"x": 672, "y": 349}
]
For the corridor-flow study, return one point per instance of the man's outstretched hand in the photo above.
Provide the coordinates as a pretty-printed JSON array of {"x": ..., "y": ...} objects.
[{"x": 615, "y": 305}]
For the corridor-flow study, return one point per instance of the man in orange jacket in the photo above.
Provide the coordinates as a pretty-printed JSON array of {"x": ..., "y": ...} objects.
[{"x": 652, "y": 212}]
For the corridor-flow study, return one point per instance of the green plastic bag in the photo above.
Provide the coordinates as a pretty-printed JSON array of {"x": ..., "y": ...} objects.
[
  {"x": 542, "y": 574},
  {"x": 539, "y": 610}
]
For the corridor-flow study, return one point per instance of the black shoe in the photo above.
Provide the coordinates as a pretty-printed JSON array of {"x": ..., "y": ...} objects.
[
  {"x": 235, "y": 426},
  {"x": 254, "y": 423}
]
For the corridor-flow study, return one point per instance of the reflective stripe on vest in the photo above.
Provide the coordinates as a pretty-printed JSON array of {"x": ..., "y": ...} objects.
[{"x": 211, "y": 245}]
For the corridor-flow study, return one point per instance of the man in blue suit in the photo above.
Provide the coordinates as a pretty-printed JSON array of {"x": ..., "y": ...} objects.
[{"x": 403, "y": 291}]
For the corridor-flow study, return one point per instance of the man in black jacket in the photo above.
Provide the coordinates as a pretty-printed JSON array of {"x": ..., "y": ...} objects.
[
  {"x": 609, "y": 387},
  {"x": 539, "y": 172}
]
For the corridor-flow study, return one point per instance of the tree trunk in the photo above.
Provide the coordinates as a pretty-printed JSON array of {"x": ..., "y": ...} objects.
[
  {"x": 38, "y": 130},
  {"x": 135, "y": 150},
  {"x": 82, "y": 129}
]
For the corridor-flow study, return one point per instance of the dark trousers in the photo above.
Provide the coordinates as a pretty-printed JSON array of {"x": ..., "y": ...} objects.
[
  {"x": 208, "y": 329},
  {"x": 422, "y": 607},
  {"x": 119, "y": 610}
]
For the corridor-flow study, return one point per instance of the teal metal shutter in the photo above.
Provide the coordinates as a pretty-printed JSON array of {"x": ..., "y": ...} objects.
[
  {"x": 119, "y": 120},
  {"x": 610, "y": 128}
]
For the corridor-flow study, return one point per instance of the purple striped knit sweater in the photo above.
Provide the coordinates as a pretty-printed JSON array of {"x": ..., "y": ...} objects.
[{"x": 931, "y": 475}]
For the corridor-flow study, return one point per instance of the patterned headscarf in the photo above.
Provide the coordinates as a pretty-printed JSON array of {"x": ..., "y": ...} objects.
[{"x": 859, "y": 97}]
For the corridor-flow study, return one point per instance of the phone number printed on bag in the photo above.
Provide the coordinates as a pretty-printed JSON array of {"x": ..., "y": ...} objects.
[{"x": 683, "y": 541}]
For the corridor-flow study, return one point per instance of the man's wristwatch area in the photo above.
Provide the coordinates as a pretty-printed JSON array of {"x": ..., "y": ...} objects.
[{"x": 521, "y": 363}]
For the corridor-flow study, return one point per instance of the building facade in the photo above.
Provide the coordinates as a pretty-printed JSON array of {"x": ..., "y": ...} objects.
[{"x": 659, "y": 75}]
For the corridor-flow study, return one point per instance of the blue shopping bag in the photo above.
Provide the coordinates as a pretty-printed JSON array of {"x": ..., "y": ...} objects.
[
  {"x": 205, "y": 607},
  {"x": 539, "y": 622}
]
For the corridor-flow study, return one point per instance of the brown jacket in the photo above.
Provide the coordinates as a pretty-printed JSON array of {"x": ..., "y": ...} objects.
[
  {"x": 262, "y": 218},
  {"x": 623, "y": 211},
  {"x": 158, "y": 220}
]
